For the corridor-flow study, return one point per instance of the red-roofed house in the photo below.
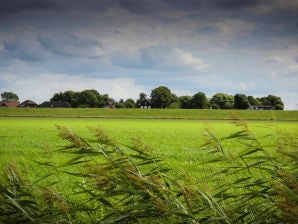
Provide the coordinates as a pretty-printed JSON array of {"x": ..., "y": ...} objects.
[{"x": 9, "y": 104}]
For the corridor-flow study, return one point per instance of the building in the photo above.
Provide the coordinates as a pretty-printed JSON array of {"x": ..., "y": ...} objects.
[
  {"x": 55, "y": 104},
  {"x": 146, "y": 104},
  {"x": 109, "y": 105},
  {"x": 9, "y": 104},
  {"x": 261, "y": 108},
  {"x": 28, "y": 103}
]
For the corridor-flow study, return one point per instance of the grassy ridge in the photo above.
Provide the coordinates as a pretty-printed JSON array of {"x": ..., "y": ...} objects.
[{"x": 149, "y": 114}]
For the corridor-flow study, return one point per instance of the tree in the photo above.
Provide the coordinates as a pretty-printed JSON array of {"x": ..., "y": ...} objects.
[
  {"x": 241, "y": 101},
  {"x": 222, "y": 101},
  {"x": 106, "y": 101},
  {"x": 272, "y": 100},
  {"x": 199, "y": 101},
  {"x": 161, "y": 97},
  {"x": 120, "y": 104},
  {"x": 129, "y": 103},
  {"x": 88, "y": 98},
  {"x": 142, "y": 99},
  {"x": 185, "y": 102},
  {"x": 9, "y": 97},
  {"x": 68, "y": 96},
  {"x": 253, "y": 101},
  {"x": 85, "y": 98}
]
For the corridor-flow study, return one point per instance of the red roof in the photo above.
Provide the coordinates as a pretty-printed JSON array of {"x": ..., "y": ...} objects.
[{"x": 9, "y": 104}]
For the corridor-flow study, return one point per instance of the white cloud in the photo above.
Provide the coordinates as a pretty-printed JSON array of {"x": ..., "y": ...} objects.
[
  {"x": 243, "y": 86},
  {"x": 282, "y": 62},
  {"x": 273, "y": 58},
  {"x": 160, "y": 58}
]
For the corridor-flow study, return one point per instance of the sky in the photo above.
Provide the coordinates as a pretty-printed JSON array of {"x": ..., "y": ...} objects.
[{"x": 125, "y": 47}]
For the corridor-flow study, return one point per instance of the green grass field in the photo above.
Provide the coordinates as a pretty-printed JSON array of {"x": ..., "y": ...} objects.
[
  {"x": 177, "y": 136},
  {"x": 150, "y": 114},
  {"x": 23, "y": 139},
  {"x": 174, "y": 134}
]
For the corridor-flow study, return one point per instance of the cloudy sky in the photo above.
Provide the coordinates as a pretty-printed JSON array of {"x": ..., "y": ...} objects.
[{"x": 125, "y": 47}]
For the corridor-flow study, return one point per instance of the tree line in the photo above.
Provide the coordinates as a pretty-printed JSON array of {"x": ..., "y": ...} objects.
[{"x": 160, "y": 97}]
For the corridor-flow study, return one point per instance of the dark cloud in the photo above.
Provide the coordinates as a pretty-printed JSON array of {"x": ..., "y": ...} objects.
[
  {"x": 14, "y": 6},
  {"x": 66, "y": 44},
  {"x": 208, "y": 30},
  {"x": 205, "y": 6},
  {"x": 186, "y": 5},
  {"x": 23, "y": 48},
  {"x": 54, "y": 50},
  {"x": 141, "y": 7},
  {"x": 144, "y": 6},
  {"x": 235, "y": 4}
]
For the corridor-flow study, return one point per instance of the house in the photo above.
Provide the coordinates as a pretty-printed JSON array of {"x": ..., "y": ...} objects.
[
  {"x": 261, "y": 108},
  {"x": 9, "y": 104},
  {"x": 146, "y": 104},
  {"x": 109, "y": 105},
  {"x": 55, "y": 104},
  {"x": 28, "y": 103}
]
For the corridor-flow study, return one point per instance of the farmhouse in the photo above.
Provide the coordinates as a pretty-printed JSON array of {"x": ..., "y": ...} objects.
[
  {"x": 55, "y": 104},
  {"x": 109, "y": 105},
  {"x": 261, "y": 108},
  {"x": 146, "y": 104},
  {"x": 28, "y": 103},
  {"x": 9, "y": 104}
]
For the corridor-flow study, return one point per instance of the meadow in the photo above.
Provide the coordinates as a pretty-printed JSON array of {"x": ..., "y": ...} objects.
[
  {"x": 178, "y": 141},
  {"x": 186, "y": 141}
]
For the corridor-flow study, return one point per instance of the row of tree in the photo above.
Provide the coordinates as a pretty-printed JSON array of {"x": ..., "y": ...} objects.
[
  {"x": 9, "y": 97},
  {"x": 162, "y": 97}
]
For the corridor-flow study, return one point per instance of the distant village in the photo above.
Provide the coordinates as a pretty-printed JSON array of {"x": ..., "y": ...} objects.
[
  {"x": 63, "y": 104},
  {"x": 30, "y": 103},
  {"x": 160, "y": 97}
]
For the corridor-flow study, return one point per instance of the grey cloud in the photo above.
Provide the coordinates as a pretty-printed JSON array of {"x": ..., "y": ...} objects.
[
  {"x": 230, "y": 5},
  {"x": 205, "y": 6},
  {"x": 186, "y": 5},
  {"x": 145, "y": 6},
  {"x": 4, "y": 61},
  {"x": 14, "y": 6},
  {"x": 23, "y": 48},
  {"x": 235, "y": 4},
  {"x": 69, "y": 45},
  {"x": 44, "y": 47},
  {"x": 140, "y": 7},
  {"x": 208, "y": 30},
  {"x": 159, "y": 9}
]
